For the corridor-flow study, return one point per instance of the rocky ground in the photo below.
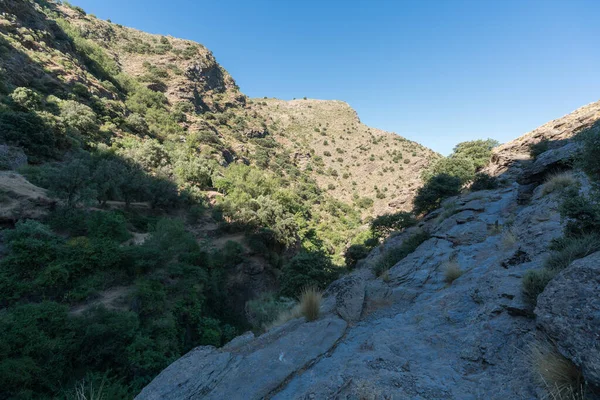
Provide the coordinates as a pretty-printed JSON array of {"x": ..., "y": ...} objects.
[{"x": 413, "y": 335}]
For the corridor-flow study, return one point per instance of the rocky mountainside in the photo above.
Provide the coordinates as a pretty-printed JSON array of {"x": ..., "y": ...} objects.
[
  {"x": 449, "y": 321},
  {"x": 43, "y": 50},
  {"x": 350, "y": 159}
]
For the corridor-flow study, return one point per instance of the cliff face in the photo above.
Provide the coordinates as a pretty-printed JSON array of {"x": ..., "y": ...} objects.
[{"x": 415, "y": 333}]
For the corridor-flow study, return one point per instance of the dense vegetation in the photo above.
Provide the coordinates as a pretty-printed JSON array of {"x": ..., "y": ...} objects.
[{"x": 124, "y": 163}]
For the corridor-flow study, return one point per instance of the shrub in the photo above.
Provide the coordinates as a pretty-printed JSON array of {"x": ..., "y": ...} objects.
[
  {"x": 452, "y": 272},
  {"x": 307, "y": 269},
  {"x": 107, "y": 225},
  {"x": 558, "y": 182},
  {"x": 79, "y": 117},
  {"x": 392, "y": 256},
  {"x": 534, "y": 282},
  {"x": 538, "y": 148},
  {"x": 310, "y": 303},
  {"x": 478, "y": 151},
  {"x": 589, "y": 161},
  {"x": 354, "y": 253},
  {"x": 569, "y": 249},
  {"x": 264, "y": 310},
  {"x": 37, "y": 133},
  {"x": 455, "y": 166},
  {"x": 71, "y": 182},
  {"x": 581, "y": 212},
  {"x": 383, "y": 225},
  {"x": 561, "y": 378},
  {"x": 26, "y": 98},
  {"x": 484, "y": 181},
  {"x": 364, "y": 202},
  {"x": 439, "y": 187}
]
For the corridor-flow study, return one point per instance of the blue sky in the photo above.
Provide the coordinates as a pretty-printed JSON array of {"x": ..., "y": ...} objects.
[{"x": 438, "y": 72}]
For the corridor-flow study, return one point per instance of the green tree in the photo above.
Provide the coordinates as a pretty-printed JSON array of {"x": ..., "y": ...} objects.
[
  {"x": 72, "y": 182},
  {"x": 430, "y": 195},
  {"x": 384, "y": 224}
]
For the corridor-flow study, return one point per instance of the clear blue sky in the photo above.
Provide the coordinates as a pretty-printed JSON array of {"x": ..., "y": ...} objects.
[{"x": 438, "y": 72}]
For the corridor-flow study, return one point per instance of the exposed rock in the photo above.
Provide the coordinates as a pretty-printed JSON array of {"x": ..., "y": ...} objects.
[
  {"x": 550, "y": 161},
  {"x": 569, "y": 311},
  {"x": 510, "y": 158},
  {"x": 349, "y": 295},
  {"x": 252, "y": 371},
  {"x": 11, "y": 157},
  {"x": 21, "y": 199}
]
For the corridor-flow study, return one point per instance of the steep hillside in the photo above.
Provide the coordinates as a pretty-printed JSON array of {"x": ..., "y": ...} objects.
[
  {"x": 350, "y": 159},
  {"x": 498, "y": 299},
  {"x": 150, "y": 207}
]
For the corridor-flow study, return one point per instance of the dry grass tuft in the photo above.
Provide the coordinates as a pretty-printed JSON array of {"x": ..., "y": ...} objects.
[
  {"x": 284, "y": 317},
  {"x": 559, "y": 181},
  {"x": 452, "y": 271},
  {"x": 509, "y": 239},
  {"x": 560, "y": 376},
  {"x": 310, "y": 303},
  {"x": 85, "y": 391}
]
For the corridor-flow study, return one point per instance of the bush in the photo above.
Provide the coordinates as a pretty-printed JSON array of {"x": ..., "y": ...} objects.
[
  {"x": 26, "y": 98},
  {"x": 452, "y": 272},
  {"x": 79, "y": 117},
  {"x": 383, "y": 225},
  {"x": 569, "y": 249},
  {"x": 558, "y": 182},
  {"x": 484, "y": 181},
  {"x": 310, "y": 303},
  {"x": 38, "y": 134},
  {"x": 71, "y": 182},
  {"x": 588, "y": 160},
  {"x": 455, "y": 166},
  {"x": 391, "y": 257},
  {"x": 534, "y": 283},
  {"x": 262, "y": 311},
  {"x": 438, "y": 188},
  {"x": 478, "y": 151},
  {"x": 538, "y": 148},
  {"x": 307, "y": 269},
  {"x": 561, "y": 378},
  {"x": 107, "y": 225},
  {"x": 354, "y": 253},
  {"x": 581, "y": 212}
]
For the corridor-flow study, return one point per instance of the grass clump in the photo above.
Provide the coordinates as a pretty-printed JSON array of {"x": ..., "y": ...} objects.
[
  {"x": 534, "y": 282},
  {"x": 562, "y": 378},
  {"x": 569, "y": 249},
  {"x": 392, "y": 256},
  {"x": 310, "y": 303},
  {"x": 558, "y": 182},
  {"x": 452, "y": 271}
]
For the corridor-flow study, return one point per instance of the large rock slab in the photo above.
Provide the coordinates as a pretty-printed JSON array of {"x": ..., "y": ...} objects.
[
  {"x": 550, "y": 161},
  {"x": 249, "y": 372},
  {"x": 569, "y": 311}
]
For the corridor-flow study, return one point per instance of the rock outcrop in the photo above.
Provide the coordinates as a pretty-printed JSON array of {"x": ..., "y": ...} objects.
[
  {"x": 411, "y": 335},
  {"x": 569, "y": 311}
]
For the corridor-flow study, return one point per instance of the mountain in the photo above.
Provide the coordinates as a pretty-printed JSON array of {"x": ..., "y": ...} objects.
[{"x": 151, "y": 207}]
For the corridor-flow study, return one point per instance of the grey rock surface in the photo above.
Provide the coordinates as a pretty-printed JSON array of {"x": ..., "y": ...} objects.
[
  {"x": 349, "y": 294},
  {"x": 569, "y": 311},
  {"x": 410, "y": 336}
]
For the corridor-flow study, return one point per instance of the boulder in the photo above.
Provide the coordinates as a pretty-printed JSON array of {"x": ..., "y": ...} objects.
[
  {"x": 550, "y": 161},
  {"x": 349, "y": 297},
  {"x": 569, "y": 312}
]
